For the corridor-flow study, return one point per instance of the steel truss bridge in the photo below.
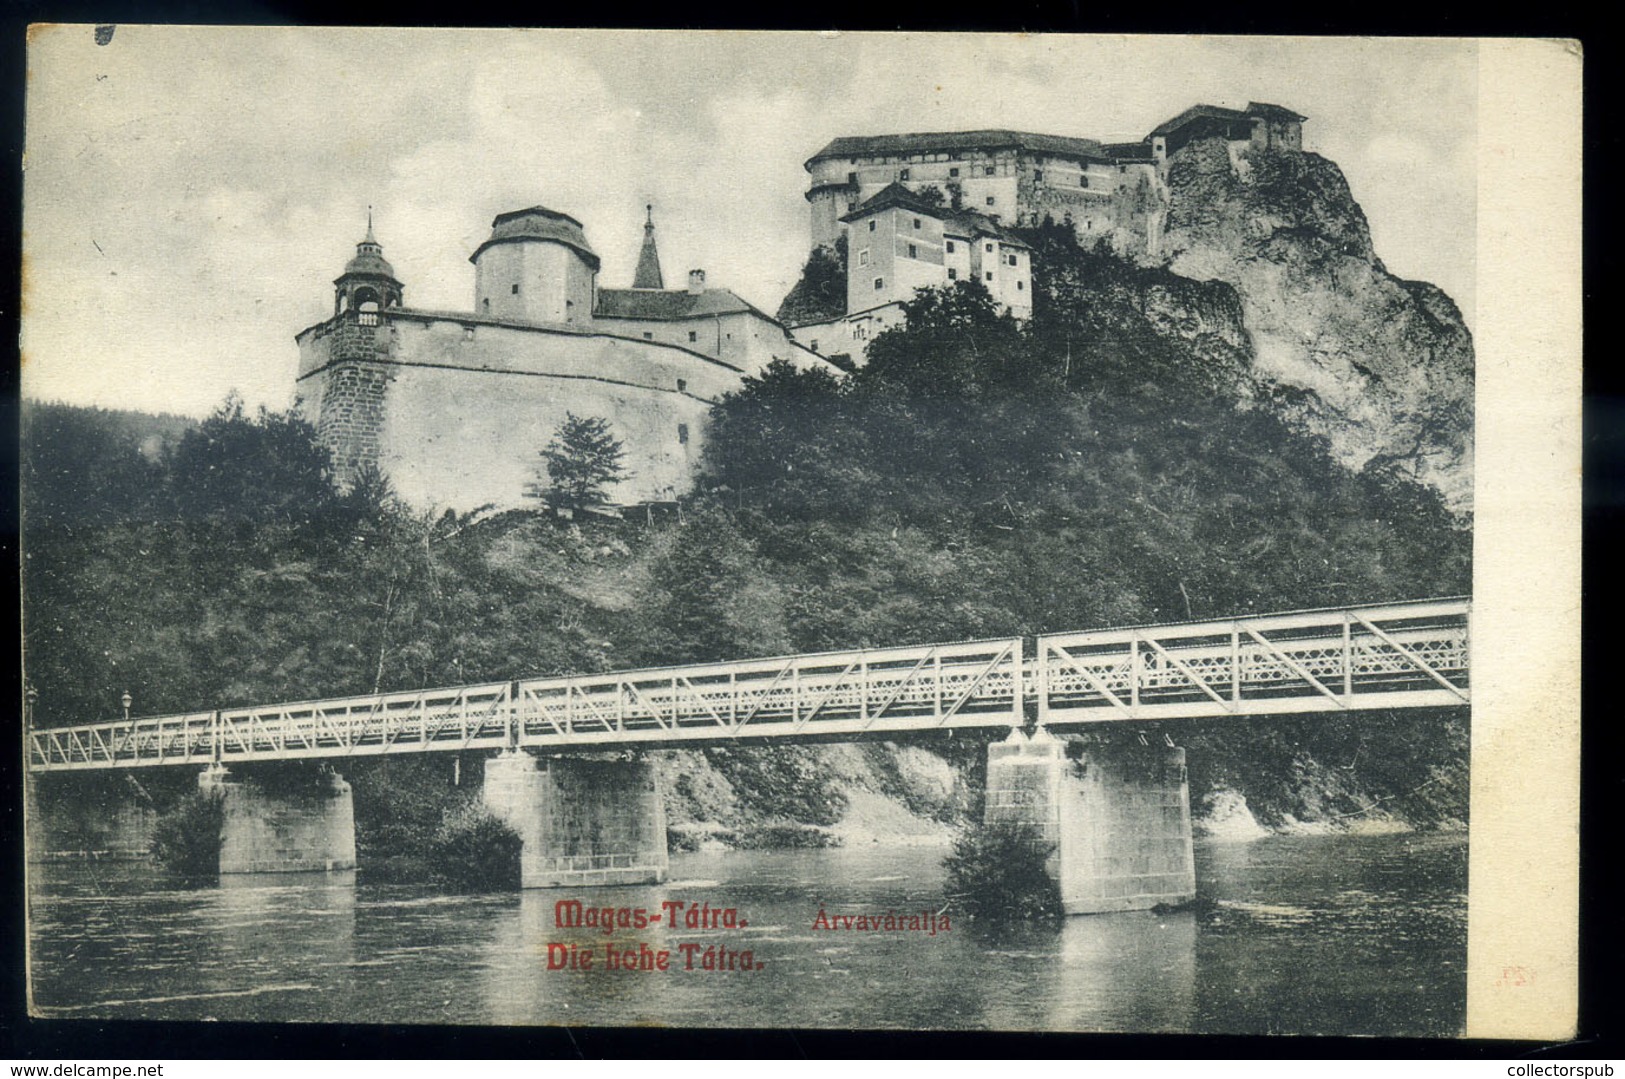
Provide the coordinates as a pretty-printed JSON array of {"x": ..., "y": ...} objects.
[{"x": 1404, "y": 655}]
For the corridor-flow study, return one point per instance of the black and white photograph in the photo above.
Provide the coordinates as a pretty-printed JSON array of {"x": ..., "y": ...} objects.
[{"x": 917, "y": 531}]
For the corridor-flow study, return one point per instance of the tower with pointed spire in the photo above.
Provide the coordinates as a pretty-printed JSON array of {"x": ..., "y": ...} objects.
[
  {"x": 648, "y": 274},
  {"x": 368, "y": 281}
]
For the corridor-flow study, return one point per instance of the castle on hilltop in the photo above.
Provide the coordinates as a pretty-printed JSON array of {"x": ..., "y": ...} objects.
[
  {"x": 928, "y": 209},
  {"x": 454, "y": 407}
]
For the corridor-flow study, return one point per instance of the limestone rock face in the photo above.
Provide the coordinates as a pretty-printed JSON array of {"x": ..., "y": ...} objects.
[{"x": 1383, "y": 367}]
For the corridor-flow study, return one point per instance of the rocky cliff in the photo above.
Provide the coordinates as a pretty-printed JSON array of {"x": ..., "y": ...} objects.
[{"x": 1384, "y": 365}]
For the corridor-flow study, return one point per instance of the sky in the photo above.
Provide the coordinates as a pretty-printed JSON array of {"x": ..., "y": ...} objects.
[{"x": 190, "y": 193}]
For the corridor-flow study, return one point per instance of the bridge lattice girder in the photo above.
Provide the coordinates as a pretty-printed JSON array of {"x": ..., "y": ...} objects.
[{"x": 1406, "y": 655}]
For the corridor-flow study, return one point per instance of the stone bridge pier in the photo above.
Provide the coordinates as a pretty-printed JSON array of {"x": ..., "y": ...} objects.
[
  {"x": 94, "y": 815},
  {"x": 283, "y": 827},
  {"x": 1118, "y": 816},
  {"x": 585, "y": 820}
]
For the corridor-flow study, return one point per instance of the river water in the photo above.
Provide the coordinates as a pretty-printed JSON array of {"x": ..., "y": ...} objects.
[{"x": 1307, "y": 935}]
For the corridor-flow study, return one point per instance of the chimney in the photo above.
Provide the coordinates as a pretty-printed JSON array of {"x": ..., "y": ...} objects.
[{"x": 696, "y": 282}]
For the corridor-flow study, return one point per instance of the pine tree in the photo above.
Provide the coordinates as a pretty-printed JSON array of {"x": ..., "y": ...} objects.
[{"x": 583, "y": 460}]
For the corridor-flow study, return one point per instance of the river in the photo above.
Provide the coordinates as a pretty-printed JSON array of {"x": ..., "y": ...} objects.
[{"x": 1302, "y": 935}]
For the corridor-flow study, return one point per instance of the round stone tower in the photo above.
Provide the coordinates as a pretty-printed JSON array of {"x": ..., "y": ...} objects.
[
  {"x": 368, "y": 282},
  {"x": 536, "y": 267}
]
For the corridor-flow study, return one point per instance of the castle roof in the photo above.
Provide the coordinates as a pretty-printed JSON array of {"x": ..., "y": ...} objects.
[
  {"x": 938, "y": 141},
  {"x": 369, "y": 258},
  {"x": 667, "y": 304},
  {"x": 539, "y": 223},
  {"x": 648, "y": 271},
  {"x": 894, "y": 194},
  {"x": 971, "y": 223},
  {"x": 1273, "y": 112},
  {"x": 368, "y": 264},
  {"x": 1256, "y": 110},
  {"x": 1198, "y": 112}
]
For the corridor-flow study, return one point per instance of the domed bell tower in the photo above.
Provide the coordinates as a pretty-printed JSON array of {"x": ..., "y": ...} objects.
[{"x": 368, "y": 283}]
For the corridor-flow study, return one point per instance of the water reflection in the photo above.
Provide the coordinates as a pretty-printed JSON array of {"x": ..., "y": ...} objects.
[{"x": 1315, "y": 935}]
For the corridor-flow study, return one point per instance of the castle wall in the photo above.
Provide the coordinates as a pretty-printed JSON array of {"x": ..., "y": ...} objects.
[
  {"x": 533, "y": 281},
  {"x": 464, "y": 408},
  {"x": 349, "y": 415},
  {"x": 825, "y": 209},
  {"x": 984, "y": 181},
  {"x": 894, "y": 253},
  {"x": 741, "y": 339},
  {"x": 850, "y": 335},
  {"x": 1006, "y": 272},
  {"x": 1120, "y": 204}
]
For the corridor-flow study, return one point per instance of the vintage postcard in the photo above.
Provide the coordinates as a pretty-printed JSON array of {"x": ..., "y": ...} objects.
[{"x": 887, "y": 531}]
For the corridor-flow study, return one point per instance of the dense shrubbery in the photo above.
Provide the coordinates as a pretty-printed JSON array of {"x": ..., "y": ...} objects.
[
  {"x": 996, "y": 872},
  {"x": 474, "y": 850},
  {"x": 186, "y": 839}
]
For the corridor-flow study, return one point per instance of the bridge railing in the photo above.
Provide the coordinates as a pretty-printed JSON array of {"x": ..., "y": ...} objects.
[
  {"x": 975, "y": 683},
  {"x": 182, "y": 739},
  {"x": 462, "y": 717},
  {"x": 1396, "y": 656}
]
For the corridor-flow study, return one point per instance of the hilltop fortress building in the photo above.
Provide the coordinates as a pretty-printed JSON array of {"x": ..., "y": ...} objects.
[
  {"x": 454, "y": 407},
  {"x": 930, "y": 209}
]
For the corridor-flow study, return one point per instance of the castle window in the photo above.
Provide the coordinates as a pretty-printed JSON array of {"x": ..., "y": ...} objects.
[
  {"x": 953, "y": 172},
  {"x": 693, "y": 335},
  {"x": 990, "y": 200},
  {"x": 863, "y": 257},
  {"x": 871, "y": 224},
  {"x": 913, "y": 252},
  {"x": 880, "y": 282},
  {"x": 1083, "y": 181},
  {"x": 990, "y": 171},
  {"x": 487, "y": 304},
  {"x": 953, "y": 274},
  {"x": 682, "y": 434},
  {"x": 902, "y": 174},
  {"x": 814, "y": 345},
  {"x": 515, "y": 289},
  {"x": 988, "y": 248},
  {"x": 1013, "y": 261},
  {"x": 950, "y": 247},
  {"x": 990, "y": 275},
  {"x": 1021, "y": 286},
  {"x": 1038, "y": 176},
  {"x": 852, "y": 178},
  {"x": 916, "y": 222},
  {"x": 682, "y": 384},
  {"x": 647, "y": 336},
  {"x": 851, "y": 205}
]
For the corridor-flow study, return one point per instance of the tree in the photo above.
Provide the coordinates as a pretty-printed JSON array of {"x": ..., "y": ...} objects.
[
  {"x": 270, "y": 469},
  {"x": 583, "y": 460},
  {"x": 820, "y": 293}
]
